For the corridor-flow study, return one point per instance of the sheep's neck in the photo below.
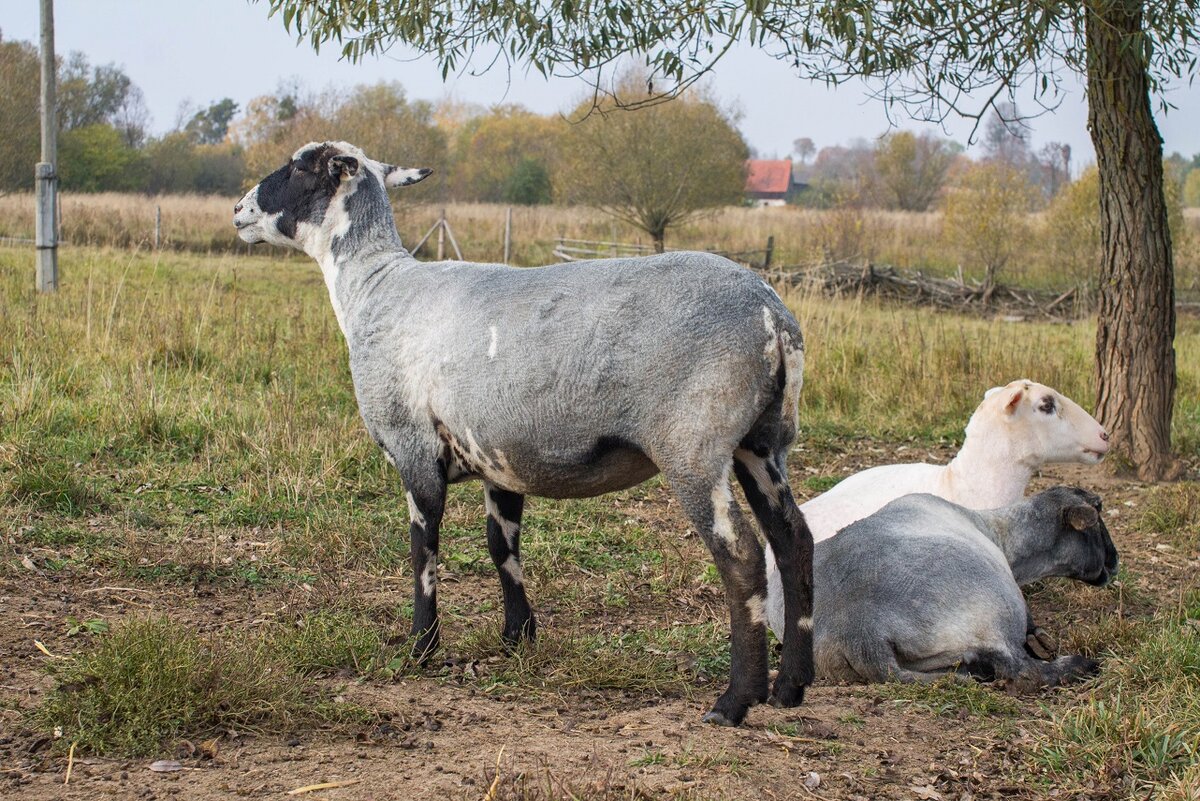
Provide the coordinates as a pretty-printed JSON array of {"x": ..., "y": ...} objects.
[
  {"x": 349, "y": 275},
  {"x": 986, "y": 475},
  {"x": 1005, "y": 528}
]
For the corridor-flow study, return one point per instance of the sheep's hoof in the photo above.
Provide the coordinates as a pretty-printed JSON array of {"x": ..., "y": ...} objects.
[
  {"x": 425, "y": 646},
  {"x": 787, "y": 695},
  {"x": 730, "y": 709},
  {"x": 717, "y": 719}
]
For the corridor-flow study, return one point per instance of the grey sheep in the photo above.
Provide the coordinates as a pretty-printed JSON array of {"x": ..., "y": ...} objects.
[
  {"x": 564, "y": 381},
  {"x": 924, "y": 586}
]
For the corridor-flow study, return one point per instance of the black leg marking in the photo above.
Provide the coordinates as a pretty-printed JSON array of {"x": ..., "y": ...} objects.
[
  {"x": 764, "y": 480},
  {"x": 739, "y": 559},
  {"x": 504, "y": 510},
  {"x": 426, "y": 502}
]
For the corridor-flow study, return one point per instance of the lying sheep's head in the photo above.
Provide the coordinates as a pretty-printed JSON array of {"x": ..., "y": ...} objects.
[
  {"x": 295, "y": 205},
  {"x": 1039, "y": 425},
  {"x": 1081, "y": 547}
]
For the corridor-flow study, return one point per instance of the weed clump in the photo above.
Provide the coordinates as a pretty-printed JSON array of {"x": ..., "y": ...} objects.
[
  {"x": 57, "y": 488},
  {"x": 152, "y": 682}
]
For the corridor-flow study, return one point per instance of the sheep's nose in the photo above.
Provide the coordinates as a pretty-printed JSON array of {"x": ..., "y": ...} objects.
[
  {"x": 238, "y": 208},
  {"x": 1104, "y": 435}
]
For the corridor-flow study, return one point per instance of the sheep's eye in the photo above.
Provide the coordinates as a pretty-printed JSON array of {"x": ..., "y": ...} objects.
[{"x": 1047, "y": 405}]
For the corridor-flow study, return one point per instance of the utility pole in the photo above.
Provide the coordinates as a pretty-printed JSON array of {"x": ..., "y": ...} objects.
[{"x": 47, "y": 179}]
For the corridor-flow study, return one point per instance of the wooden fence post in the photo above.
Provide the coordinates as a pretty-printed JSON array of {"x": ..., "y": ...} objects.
[
  {"x": 157, "y": 227},
  {"x": 442, "y": 236},
  {"x": 770, "y": 252},
  {"x": 507, "y": 234}
]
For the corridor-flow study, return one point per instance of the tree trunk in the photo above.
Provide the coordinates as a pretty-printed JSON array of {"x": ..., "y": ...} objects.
[
  {"x": 1135, "y": 355},
  {"x": 659, "y": 235}
]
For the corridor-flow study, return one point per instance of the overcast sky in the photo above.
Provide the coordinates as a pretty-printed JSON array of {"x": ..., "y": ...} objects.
[{"x": 202, "y": 51}]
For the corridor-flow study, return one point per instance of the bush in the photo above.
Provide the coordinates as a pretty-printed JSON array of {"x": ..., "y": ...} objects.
[{"x": 986, "y": 218}]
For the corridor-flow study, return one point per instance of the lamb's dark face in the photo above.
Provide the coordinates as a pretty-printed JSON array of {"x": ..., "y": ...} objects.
[
  {"x": 299, "y": 199},
  {"x": 1083, "y": 543}
]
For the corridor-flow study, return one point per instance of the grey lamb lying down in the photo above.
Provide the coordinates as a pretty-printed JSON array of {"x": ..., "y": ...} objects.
[{"x": 924, "y": 586}]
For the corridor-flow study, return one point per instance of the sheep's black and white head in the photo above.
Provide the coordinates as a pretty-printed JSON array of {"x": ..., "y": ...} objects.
[{"x": 315, "y": 198}]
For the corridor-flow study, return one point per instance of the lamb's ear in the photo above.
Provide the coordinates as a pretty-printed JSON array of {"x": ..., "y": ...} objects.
[
  {"x": 1081, "y": 517},
  {"x": 991, "y": 392},
  {"x": 342, "y": 166},
  {"x": 403, "y": 176},
  {"x": 1014, "y": 401}
]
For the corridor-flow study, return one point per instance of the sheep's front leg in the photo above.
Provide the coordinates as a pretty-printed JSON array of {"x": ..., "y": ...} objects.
[
  {"x": 739, "y": 559},
  {"x": 764, "y": 480},
  {"x": 426, "y": 502},
  {"x": 504, "y": 544}
]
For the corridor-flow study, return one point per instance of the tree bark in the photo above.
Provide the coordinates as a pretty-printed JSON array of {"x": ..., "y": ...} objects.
[{"x": 1135, "y": 333}]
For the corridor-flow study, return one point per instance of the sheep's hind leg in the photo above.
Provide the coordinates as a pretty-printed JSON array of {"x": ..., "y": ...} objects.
[
  {"x": 426, "y": 503},
  {"x": 504, "y": 544},
  {"x": 764, "y": 480},
  {"x": 739, "y": 559},
  {"x": 1028, "y": 674}
]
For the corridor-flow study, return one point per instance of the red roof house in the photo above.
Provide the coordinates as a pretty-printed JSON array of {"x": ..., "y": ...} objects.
[{"x": 769, "y": 181}]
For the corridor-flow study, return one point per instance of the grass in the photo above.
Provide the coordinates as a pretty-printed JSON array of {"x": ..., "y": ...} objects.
[
  {"x": 172, "y": 419},
  {"x": 1173, "y": 512},
  {"x": 950, "y": 697},
  {"x": 912, "y": 241},
  {"x": 153, "y": 682},
  {"x": 1138, "y": 729}
]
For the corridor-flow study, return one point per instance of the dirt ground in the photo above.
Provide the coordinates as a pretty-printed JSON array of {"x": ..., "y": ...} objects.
[{"x": 439, "y": 739}]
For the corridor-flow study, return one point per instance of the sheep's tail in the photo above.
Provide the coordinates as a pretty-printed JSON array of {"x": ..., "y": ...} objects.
[{"x": 791, "y": 369}]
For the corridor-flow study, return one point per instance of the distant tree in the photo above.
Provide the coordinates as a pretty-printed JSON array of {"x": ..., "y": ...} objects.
[
  {"x": 379, "y": 118},
  {"x": 528, "y": 184},
  {"x": 1005, "y": 137},
  {"x": 804, "y": 149},
  {"x": 657, "y": 166},
  {"x": 1072, "y": 225},
  {"x": 1072, "y": 228},
  {"x": 273, "y": 126},
  {"x": 221, "y": 170},
  {"x": 89, "y": 95},
  {"x": 96, "y": 158},
  {"x": 388, "y": 126},
  {"x": 19, "y": 86},
  {"x": 491, "y": 148},
  {"x": 132, "y": 118},
  {"x": 986, "y": 218},
  {"x": 1191, "y": 189},
  {"x": 840, "y": 175},
  {"x": 911, "y": 169},
  {"x": 1053, "y": 168},
  {"x": 209, "y": 126},
  {"x": 171, "y": 164}
]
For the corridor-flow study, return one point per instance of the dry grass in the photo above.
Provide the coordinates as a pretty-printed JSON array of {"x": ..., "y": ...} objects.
[{"x": 802, "y": 236}]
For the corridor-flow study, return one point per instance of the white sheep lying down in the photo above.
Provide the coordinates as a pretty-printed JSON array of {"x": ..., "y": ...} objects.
[
  {"x": 1016, "y": 430},
  {"x": 946, "y": 596}
]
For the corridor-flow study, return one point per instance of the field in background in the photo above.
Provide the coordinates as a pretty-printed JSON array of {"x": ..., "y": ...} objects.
[
  {"x": 183, "y": 470},
  {"x": 803, "y": 237}
]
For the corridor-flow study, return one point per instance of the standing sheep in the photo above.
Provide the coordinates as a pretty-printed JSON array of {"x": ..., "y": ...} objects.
[
  {"x": 564, "y": 381},
  {"x": 1016, "y": 430}
]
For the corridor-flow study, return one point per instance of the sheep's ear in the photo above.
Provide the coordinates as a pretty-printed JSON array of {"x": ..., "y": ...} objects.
[
  {"x": 403, "y": 176},
  {"x": 1014, "y": 401},
  {"x": 1081, "y": 517},
  {"x": 342, "y": 167},
  {"x": 991, "y": 392}
]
